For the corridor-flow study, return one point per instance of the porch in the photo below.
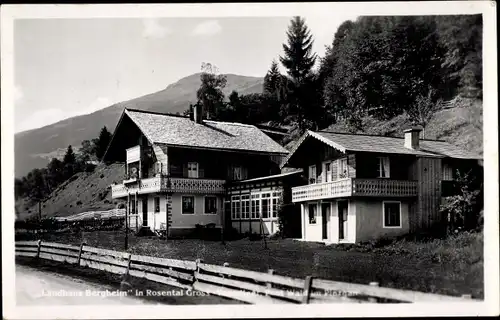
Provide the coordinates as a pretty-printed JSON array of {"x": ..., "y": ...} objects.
[
  {"x": 350, "y": 187},
  {"x": 168, "y": 184}
]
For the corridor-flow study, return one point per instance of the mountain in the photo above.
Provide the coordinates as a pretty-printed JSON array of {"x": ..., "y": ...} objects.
[{"x": 35, "y": 148}]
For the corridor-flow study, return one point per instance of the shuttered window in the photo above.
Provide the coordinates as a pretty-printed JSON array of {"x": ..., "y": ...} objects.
[{"x": 392, "y": 214}]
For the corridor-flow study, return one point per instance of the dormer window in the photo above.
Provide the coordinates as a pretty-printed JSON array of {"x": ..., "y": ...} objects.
[
  {"x": 192, "y": 169},
  {"x": 383, "y": 167}
]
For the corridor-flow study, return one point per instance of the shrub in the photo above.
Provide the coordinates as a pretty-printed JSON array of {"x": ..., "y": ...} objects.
[
  {"x": 101, "y": 176},
  {"x": 462, "y": 211}
]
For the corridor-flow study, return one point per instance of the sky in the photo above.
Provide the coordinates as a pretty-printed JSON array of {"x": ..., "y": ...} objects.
[{"x": 69, "y": 67}]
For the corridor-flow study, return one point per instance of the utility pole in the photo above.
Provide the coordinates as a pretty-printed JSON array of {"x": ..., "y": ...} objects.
[
  {"x": 39, "y": 219},
  {"x": 126, "y": 220}
]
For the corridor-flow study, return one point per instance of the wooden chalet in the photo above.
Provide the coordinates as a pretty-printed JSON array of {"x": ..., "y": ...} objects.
[
  {"x": 177, "y": 168},
  {"x": 362, "y": 187}
]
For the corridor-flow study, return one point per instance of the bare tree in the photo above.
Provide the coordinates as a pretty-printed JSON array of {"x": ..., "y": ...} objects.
[{"x": 423, "y": 109}]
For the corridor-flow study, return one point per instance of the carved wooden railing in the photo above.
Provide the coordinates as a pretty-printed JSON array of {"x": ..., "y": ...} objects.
[
  {"x": 355, "y": 187},
  {"x": 166, "y": 184}
]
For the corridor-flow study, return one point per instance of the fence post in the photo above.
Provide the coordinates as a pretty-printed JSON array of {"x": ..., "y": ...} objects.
[
  {"x": 269, "y": 285},
  {"x": 226, "y": 264},
  {"x": 198, "y": 262},
  {"x": 373, "y": 284},
  {"x": 38, "y": 249},
  {"x": 307, "y": 289},
  {"x": 125, "y": 281},
  {"x": 80, "y": 253}
]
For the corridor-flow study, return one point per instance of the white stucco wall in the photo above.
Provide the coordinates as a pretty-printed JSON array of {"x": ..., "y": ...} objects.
[{"x": 178, "y": 220}]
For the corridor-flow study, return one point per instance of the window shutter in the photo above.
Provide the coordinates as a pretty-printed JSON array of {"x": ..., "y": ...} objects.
[
  {"x": 387, "y": 167},
  {"x": 185, "y": 170},
  {"x": 201, "y": 171}
]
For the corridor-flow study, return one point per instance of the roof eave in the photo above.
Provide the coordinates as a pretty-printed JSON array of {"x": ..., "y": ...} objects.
[{"x": 222, "y": 149}]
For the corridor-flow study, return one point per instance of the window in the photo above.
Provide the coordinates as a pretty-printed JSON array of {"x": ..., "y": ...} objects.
[
  {"x": 275, "y": 207},
  {"x": 239, "y": 173},
  {"x": 383, "y": 167},
  {"x": 187, "y": 205},
  {"x": 192, "y": 169},
  {"x": 447, "y": 172},
  {"x": 245, "y": 207},
  {"x": 235, "y": 207},
  {"x": 211, "y": 205},
  {"x": 255, "y": 206},
  {"x": 157, "y": 204},
  {"x": 327, "y": 171},
  {"x": 312, "y": 214},
  {"x": 132, "y": 207},
  {"x": 392, "y": 214},
  {"x": 343, "y": 171},
  {"x": 312, "y": 174},
  {"x": 266, "y": 201}
]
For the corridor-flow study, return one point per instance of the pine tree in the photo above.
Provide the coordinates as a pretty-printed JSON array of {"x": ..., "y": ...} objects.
[
  {"x": 272, "y": 80},
  {"x": 298, "y": 60},
  {"x": 102, "y": 142},
  {"x": 69, "y": 157}
]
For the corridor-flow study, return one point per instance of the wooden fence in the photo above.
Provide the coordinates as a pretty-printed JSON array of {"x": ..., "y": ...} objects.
[{"x": 222, "y": 280}]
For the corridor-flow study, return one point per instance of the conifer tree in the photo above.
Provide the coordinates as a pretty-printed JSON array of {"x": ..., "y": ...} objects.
[{"x": 298, "y": 60}]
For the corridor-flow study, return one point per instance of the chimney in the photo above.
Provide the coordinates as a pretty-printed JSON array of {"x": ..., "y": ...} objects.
[
  {"x": 198, "y": 113},
  {"x": 412, "y": 137}
]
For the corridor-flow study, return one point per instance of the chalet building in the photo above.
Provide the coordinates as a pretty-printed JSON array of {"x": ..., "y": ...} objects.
[
  {"x": 178, "y": 170},
  {"x": 362, "y": 187}
]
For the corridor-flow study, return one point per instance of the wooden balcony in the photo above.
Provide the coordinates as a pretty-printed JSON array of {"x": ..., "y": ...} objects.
[
  {"x": 164, "y": 184},
  {"x": 353, "y": 187}
]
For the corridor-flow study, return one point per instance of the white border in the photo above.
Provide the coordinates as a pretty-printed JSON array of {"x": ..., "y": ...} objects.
[
  {"x": 490, "y": 101},
  {"x": 400, "y": 216}
]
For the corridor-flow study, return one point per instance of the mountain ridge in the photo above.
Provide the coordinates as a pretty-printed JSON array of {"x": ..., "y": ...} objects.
[{"x": 32, "y": 148}]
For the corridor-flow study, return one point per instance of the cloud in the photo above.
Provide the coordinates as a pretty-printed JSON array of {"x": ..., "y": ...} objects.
[
  {"x": 207, "y": 28},
  {"x": 153, "y": 29}
]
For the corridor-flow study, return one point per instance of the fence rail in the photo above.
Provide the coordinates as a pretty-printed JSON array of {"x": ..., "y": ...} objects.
[{"x": 238, "y": 284}]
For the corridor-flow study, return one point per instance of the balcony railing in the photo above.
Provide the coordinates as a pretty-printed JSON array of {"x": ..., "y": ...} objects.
[
  {"x": 165, "y": 184},
  {"x": 355, "y": 187}
]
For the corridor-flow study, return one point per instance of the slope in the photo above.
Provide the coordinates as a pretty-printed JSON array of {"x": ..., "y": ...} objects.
[
  {"x": 460, "y": 124},
  {"x": 82, "y": 192}
]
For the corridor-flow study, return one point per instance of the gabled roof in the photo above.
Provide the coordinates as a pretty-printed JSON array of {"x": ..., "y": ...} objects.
[
  {"x": 183, "y": 132},
  {"x": 383, "y": 144}
]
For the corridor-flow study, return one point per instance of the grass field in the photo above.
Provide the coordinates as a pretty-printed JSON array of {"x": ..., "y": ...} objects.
[{"x": 453, "y": 266}]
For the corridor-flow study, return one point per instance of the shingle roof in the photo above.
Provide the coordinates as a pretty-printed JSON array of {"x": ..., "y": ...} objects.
[
  {"x": 182, "y": 131},
  {"x": 382, "y": 144}
]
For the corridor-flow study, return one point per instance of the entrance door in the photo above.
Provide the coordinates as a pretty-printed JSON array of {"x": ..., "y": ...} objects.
[
  {"x": 145, "y": 212},
  {"x": 343, "y": 213},
  {"x": 325, "y": 215}
]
